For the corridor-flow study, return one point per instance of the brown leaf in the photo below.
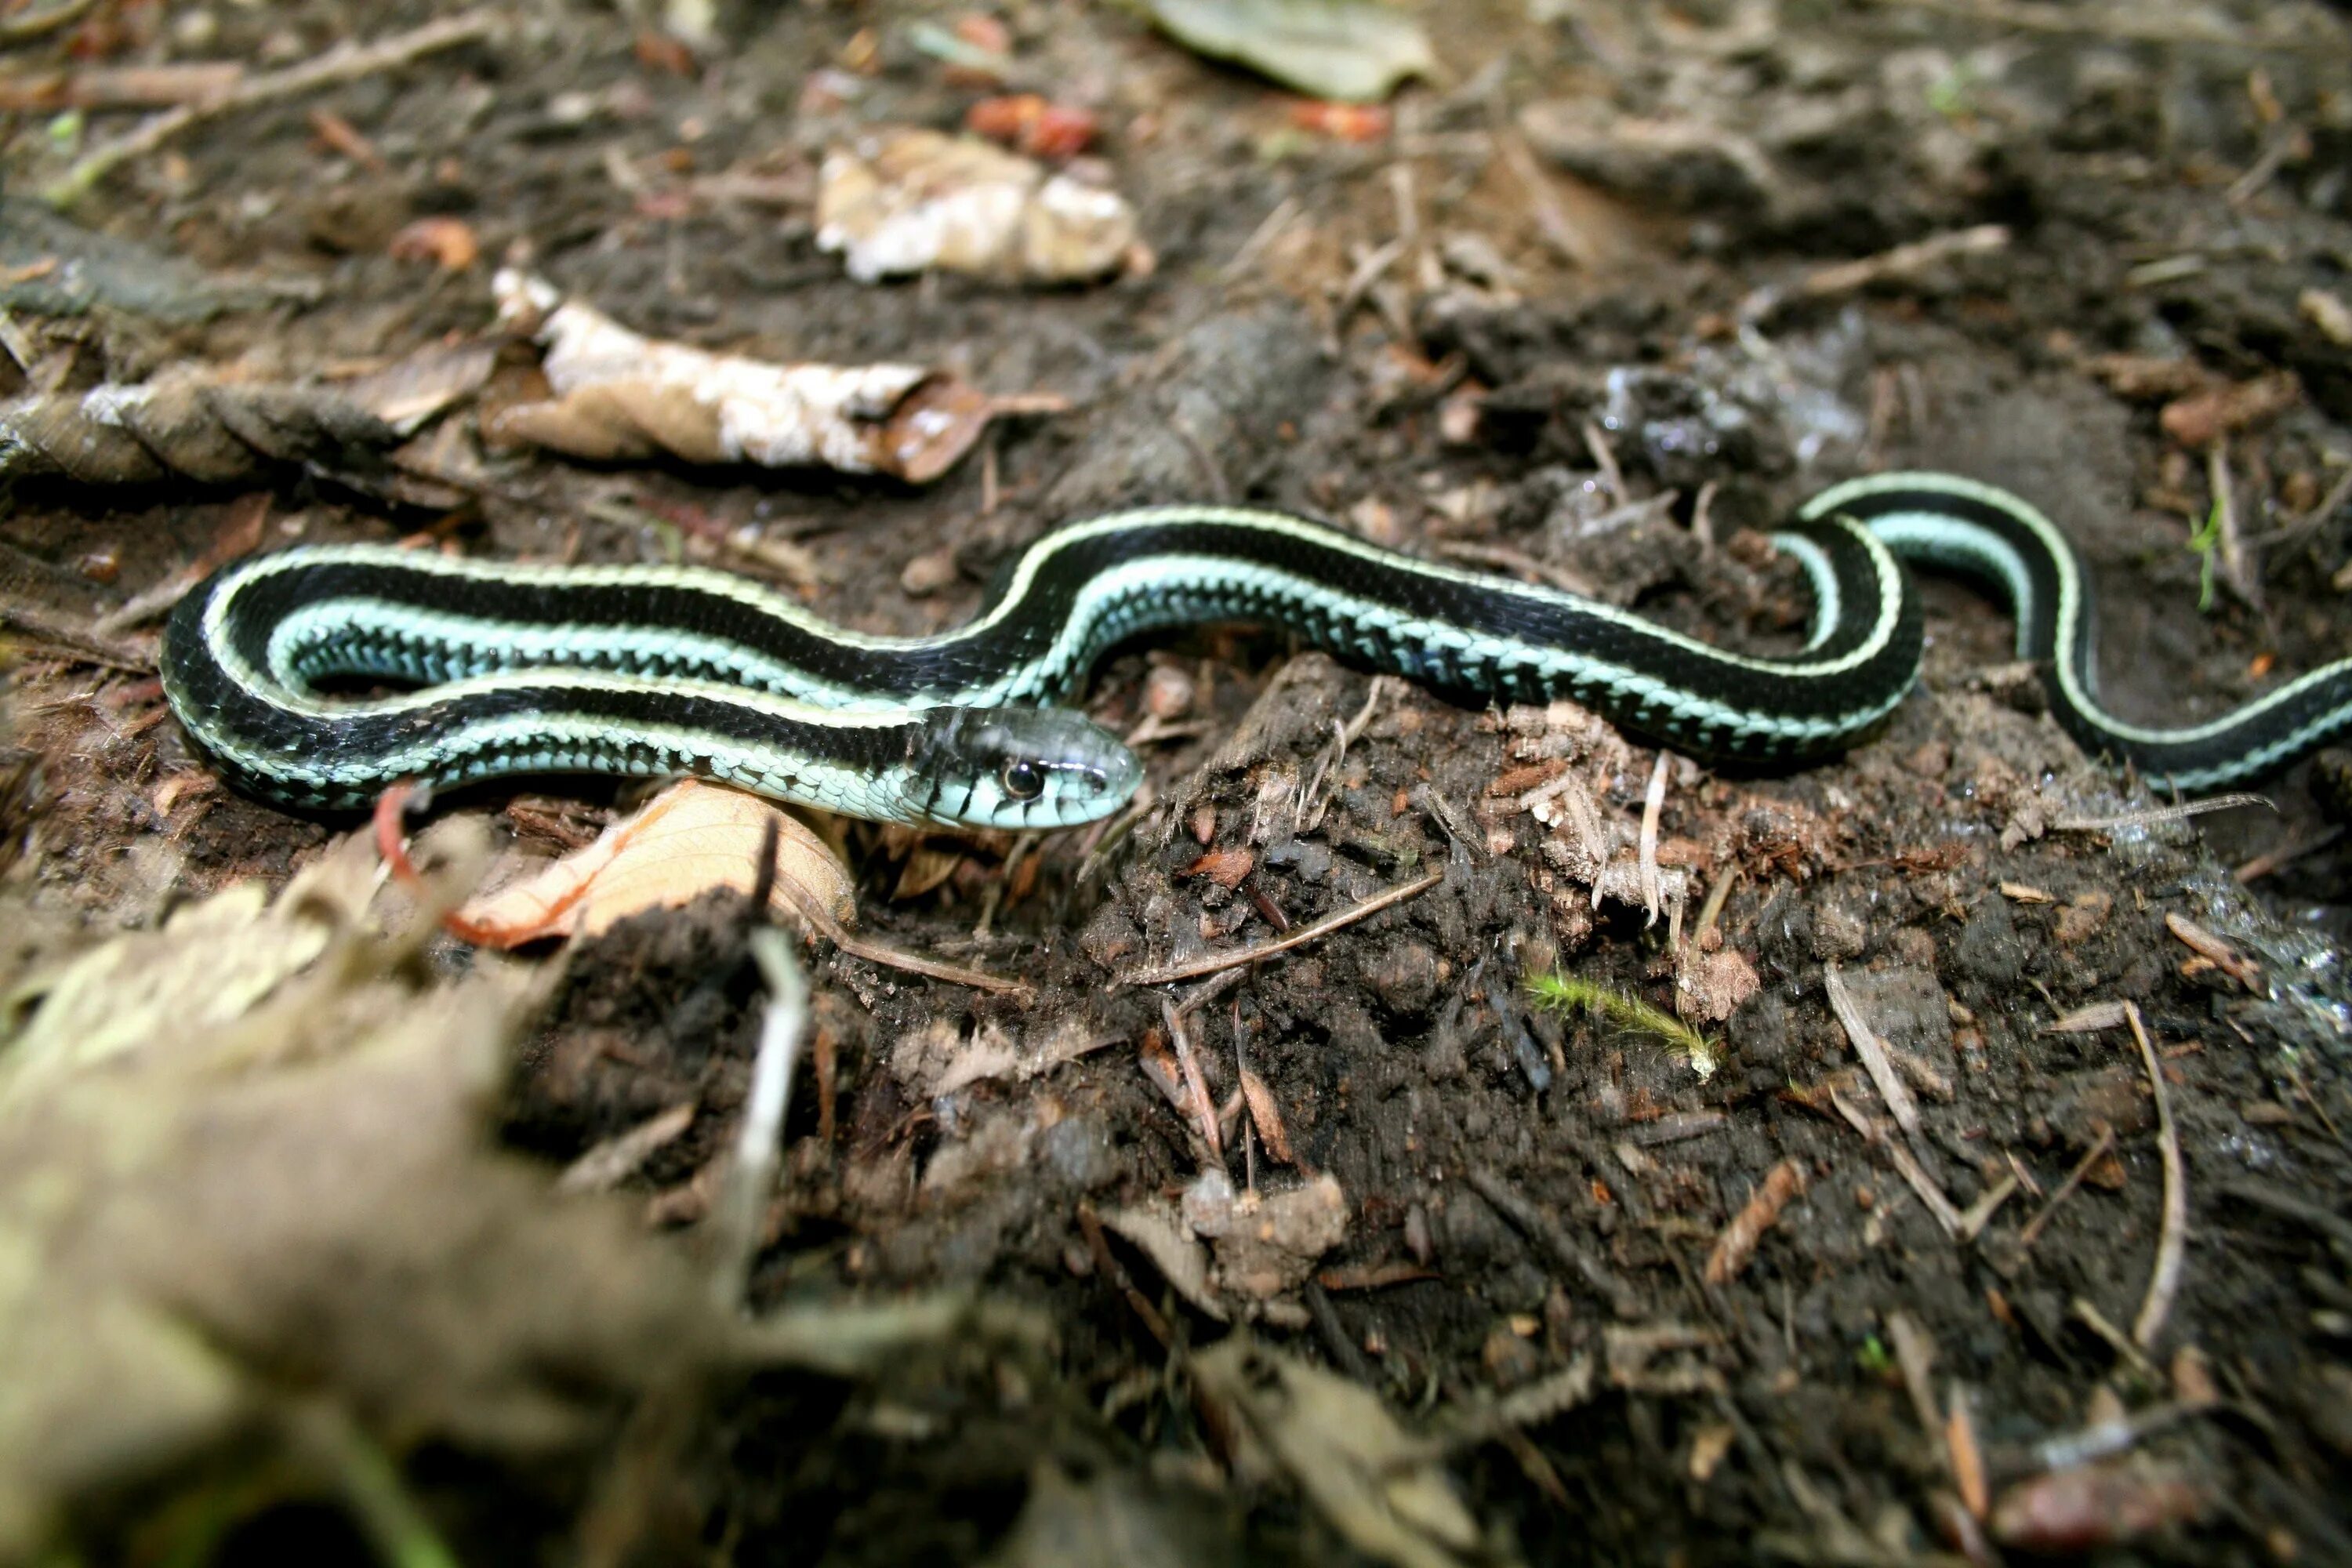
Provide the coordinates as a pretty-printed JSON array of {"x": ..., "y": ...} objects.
[
  {"x": 447, "y": 242},
  {"x": 2202, "y": 418},
  {"x": 2087, "y": 1507},
  {"x": 1737, "y": 1244},
  {"x": 1266, "y": 1115},
  {"x": 690, "y": 839},
  {"x": 1225, "y": 868},
  {"x": 618, "y": 395}
]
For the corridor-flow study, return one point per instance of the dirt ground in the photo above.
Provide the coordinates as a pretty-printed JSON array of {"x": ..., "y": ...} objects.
[{"x": 1656, "y": 1268}]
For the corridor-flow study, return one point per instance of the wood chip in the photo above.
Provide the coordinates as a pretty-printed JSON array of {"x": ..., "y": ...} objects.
[{"x": 2212, "y": 948}]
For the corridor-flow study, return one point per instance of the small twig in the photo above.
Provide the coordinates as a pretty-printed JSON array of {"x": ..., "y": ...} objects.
[
  {"x": 1654, "y": 806},
  {"x": 832, "y": 930},
  {"x": 1905, "y": 1163},
  {"x": 2086, "y": 1312},
  {"x": 2098, "y": 1149},
  {"x": 1712, "y": 910},
  {"x": 1362, "y": 280},
  {"x": 2108, "y": 24},
  {"x": 1285, "y": 212},
  {"x": 2164, "y": 1279},
  {"x": 2286, "y": 141},
  {"x": 2237, "y": 566},
  {"x": 2219, "y": 954},
  {"x": 84, "y": 646},
  {"x": 752, "y": 1172},
  {"x": 1873, "y": 1052},
  {"x": 1505, "y": 558},
  {"x": 24, "y": 30},
  {"x": 2286, "y": 853},
  {"x": 1978, "y": 1214},
  {"x": 1850, "y": 277},
  {"x": 2176, "y": 811},
  {"x": 345, "y": 62},
  {"x": 1443, "y": 814},
  {"x": 1552, "y": 222},
  {"x": 1204, "y": 1109},
  {"x": 1300, "y": 938},
  {"x": 1915, "y": 1357},
  {"x": 1604, "y": 457}
]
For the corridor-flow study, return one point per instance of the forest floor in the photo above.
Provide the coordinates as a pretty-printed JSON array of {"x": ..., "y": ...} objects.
[{"x": 2047, "y": 1252}]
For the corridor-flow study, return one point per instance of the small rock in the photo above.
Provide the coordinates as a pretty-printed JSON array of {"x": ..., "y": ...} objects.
[
  {"x": 1839, "y": 931},
  {"x": 1404, "y": 976},
  {"x": 929, "y": 572},
  {"x": 2084, "y": 916},
  {"x": 1167, "y": 692}
]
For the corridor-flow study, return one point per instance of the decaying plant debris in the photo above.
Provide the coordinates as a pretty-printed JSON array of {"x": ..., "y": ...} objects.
[{"x": 1414, "y": 1134}]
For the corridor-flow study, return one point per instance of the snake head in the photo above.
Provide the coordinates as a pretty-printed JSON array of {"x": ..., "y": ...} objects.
[{"x": 1017, "y": 768}]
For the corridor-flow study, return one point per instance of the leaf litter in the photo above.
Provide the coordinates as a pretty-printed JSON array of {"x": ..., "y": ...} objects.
[{"x": 252, "y": 1223}]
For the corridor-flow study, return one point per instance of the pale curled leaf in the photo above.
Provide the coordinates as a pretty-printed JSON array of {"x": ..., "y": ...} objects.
[
  {"x": 1350, "y": 50},
  {"x": 621, "y": 396},
  {"x": 691, "y": 839},
  {"x": 210, "y": 963},
  {"x": 907, "y": 201},
  {"x": 1379, "y": 1485},
  {"x": 294, "y": 1179}
]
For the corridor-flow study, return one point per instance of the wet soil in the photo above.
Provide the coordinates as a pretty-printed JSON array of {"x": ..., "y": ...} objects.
[{"x": 1591, "y": 353}]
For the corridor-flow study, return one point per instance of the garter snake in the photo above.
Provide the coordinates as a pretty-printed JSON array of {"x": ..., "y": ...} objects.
[{"x": 649, "y": 671}]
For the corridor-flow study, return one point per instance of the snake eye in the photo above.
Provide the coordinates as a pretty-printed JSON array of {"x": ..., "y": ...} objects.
[{"x": 1023, "y": 780}]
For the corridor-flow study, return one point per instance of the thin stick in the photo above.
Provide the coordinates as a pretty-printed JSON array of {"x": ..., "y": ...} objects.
[
  {"x": 1204, "y": 1109},
  {"x": 2156, "y": 813},
  {"x": 345, "y": 62},
  {"x": 2032, "y": 1231},
  {"x": 1300, "y": 938},
  {"x": 80, "y": 645},
  {"x": 2109, "y": 24},
  {"x": 1653, "y": 805},
  {"x": 2171, "y": 1241},
  {"x": 752, "y": 1173},
  {"x": 1866, "y": 1046},
  {"x": 1848, "y": 277},
  {"x": 890, "y": 957},
  {"x": 2286, "y": 853},
  {"x": 2245, "y": 579},
  {"x": 1907, "y": 1166},
  {"x": 24, "y": 30}
]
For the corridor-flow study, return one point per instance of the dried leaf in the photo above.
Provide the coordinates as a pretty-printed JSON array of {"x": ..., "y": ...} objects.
[
  {"x": 905, "y": 201},
  {"x": 1377, "y": 1484},
  {"x": 621, "y": 396},
  {"x": 1350, "y": 50},
  {"x": 211, "y": 962},
  {"x": 1182, "y": 1260},
  {"x": 691, "y": 839},
  {"x": 1737, "y": 1244},
  {"x": 1266, "y": 1115},
  {"x": 447, "y": 242},
  {"x": 2202, "y": 418},
  {"x": 1225, "y": 868},
  {"x": 1267, "y": 1242},
  {"x": 302, "y": 1189},
  {"x": 2090, "y": 1507}
]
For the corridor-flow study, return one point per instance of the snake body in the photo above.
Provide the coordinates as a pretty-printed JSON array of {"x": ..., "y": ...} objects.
[{"x": 651, "y": 670}]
